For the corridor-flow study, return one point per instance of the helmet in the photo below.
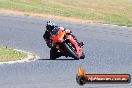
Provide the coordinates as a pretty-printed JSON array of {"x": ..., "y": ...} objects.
[{"x": 50, "y": 25}]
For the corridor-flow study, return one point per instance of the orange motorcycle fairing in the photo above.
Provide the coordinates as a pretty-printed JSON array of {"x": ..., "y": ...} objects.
[
  {"x": 59, "y": 37},
  {"x": 73, "y": 41}
]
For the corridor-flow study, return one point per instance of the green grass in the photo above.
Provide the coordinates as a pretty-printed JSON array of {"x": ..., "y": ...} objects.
[
  {"x": 108, "y": 11},
  {"x": 10, "y": 55}
]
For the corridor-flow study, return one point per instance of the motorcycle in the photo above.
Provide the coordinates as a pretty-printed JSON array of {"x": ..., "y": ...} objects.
[{"x": 66, "y": 45}]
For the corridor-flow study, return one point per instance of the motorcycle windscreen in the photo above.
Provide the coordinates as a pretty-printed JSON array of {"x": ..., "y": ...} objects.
[{"x": 54, "y": 32}]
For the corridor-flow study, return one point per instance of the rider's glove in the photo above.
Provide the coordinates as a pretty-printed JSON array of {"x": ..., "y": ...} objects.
[{"x": 67, "y": 31}]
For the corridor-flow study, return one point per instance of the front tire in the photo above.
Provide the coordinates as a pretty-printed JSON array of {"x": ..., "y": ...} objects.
[
  {"x": 83, "y": 56},
  {"x": 70, "y": 51}
]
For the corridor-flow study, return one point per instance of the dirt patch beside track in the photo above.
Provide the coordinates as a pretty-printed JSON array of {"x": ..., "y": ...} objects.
[{"x": 48, "y": 16}]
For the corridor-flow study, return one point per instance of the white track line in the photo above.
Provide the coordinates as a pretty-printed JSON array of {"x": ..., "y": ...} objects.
[
  {"x": 29, "y": 58},
  {"x": 110, "y": 25}
]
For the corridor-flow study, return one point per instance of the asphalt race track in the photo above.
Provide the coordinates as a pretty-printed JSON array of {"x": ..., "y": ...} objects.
[{"x": 108, "y": 49}]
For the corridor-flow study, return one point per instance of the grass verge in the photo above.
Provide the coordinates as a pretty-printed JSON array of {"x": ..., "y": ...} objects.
[
  {"x": 10, "y": 55},
  {"x": 107, "y": 11}
]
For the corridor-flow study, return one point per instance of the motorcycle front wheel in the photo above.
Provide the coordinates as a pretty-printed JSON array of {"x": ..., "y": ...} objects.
[{"x": 69, "y": 49}]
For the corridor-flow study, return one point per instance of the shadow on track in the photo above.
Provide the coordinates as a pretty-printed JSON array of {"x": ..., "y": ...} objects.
[{"x": 56, "y": 59}]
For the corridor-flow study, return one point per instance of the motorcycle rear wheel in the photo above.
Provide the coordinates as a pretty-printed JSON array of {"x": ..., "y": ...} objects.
[{"x": 53, "y": 53}]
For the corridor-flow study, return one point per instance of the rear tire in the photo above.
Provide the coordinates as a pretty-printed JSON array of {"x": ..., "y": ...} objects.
[{"x": 53, "y": 53}]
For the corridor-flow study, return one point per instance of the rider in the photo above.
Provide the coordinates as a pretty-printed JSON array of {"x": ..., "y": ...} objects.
[{"x": 49, "y": 27}]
